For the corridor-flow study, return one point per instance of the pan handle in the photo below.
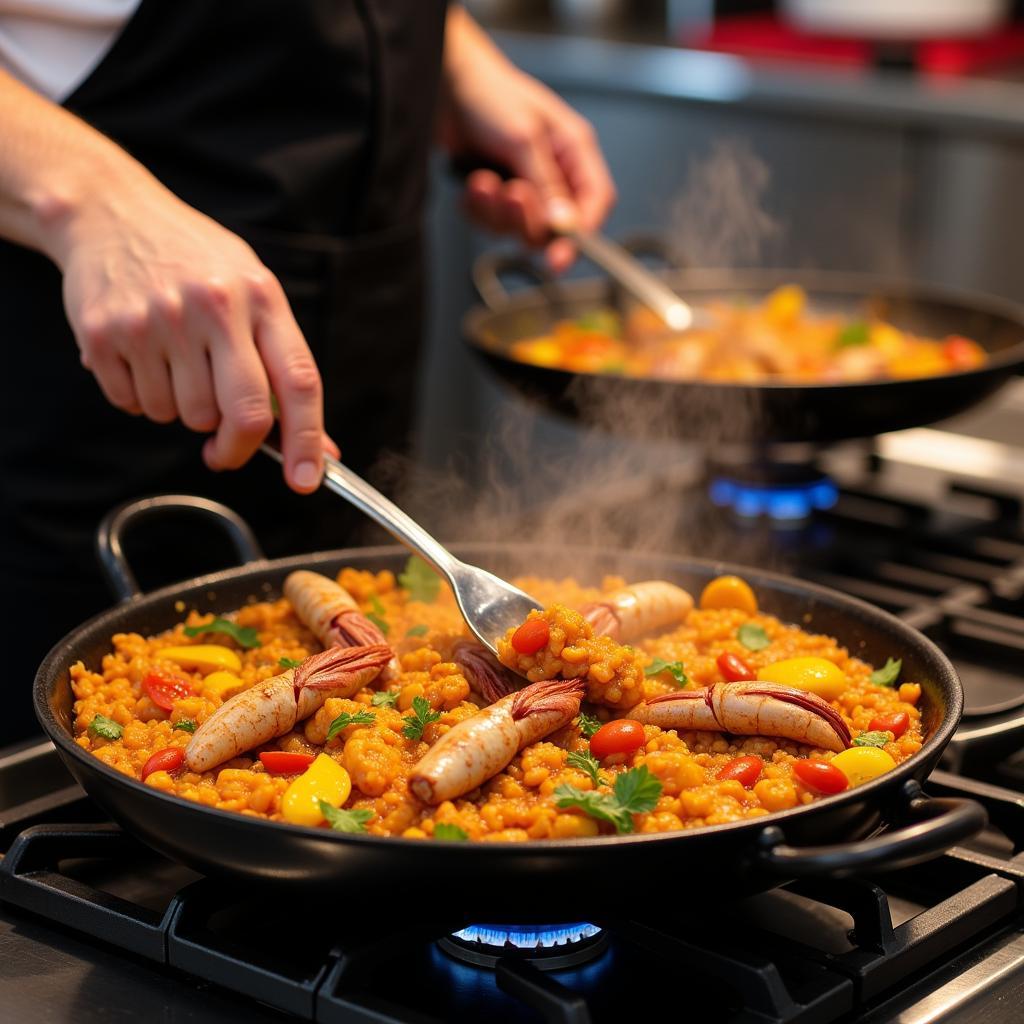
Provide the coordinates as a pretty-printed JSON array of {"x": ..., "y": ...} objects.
[
  {"x": 490, "y": 267},
  {"x": 936, "y": 823},
  {"x": 113, "y": 561}
]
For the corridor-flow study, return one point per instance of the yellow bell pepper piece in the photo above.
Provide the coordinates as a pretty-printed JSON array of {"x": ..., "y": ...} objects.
[
  {"x": 221, "y": 684},
  {"x": 729, "y": 592},
  {"x": 324, "y": 779},
  {"x": 785, "y": 304},
  {"x": 816, "y": 675},
  {"x": 203, "y": 657},
  {"x": 862, "y": 764}
]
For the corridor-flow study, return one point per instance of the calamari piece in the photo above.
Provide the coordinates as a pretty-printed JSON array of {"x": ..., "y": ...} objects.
[
  {"x": 484, "y": 673},
  {"x": 479, "y": 747},
  {"x": 271, "y": 708},
  {"x": 331, "y": 612},
  {"x": 638, "y": 610},
  {"x": 749, "y": 709}
]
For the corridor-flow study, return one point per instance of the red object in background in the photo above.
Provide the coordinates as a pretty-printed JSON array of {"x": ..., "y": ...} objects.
[{"x": 763, "y": 36}]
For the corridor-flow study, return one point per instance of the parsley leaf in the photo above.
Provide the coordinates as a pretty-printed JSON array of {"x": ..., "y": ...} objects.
[
  {"x": 452, "y": 833},
  {"x": 345, "y": 821},
  {"x": 586, "y": 763},
  {"x": 888, "y": 673},
  {"x": 872, "y": 739},
  {"x": 753, "y": 636},
  {"x": 635, "y": 792},
  {"x": 185, "y": 725},
  {"x": 587, "y": 724},
  {"x": 674, "y": 668},
  {"x": 289, "y": 662},
  {"x": 853, "y": 334},
  {"x": 377, "y": 615},
  {"x": 384, "y": 699},
  {"x": 344, "y": 720},
  {"x": 244, "y": 636},
  {"x": 421, "y": 717},
  {"x": 417, "y": 631},
  {"x": 420, "y": 580},
  {"x": 105, "y": 728}
]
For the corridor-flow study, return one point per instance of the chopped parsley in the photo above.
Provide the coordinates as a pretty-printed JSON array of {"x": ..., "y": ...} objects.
[
  {"x": 244, "y": 636},
  {"x": 674, "y": 668},
  {"x": 451, "y": 833},
  {"x": 345, "y": 821},
  {"x": 344, "y": 720},
  {"x": 873, "y": 739},
  {"x": 853, "y": 334},
  {"x": 420, "y": 718},
  {"x": 888, "y": 673},
  {"x": 185, "y": 725},
  {"x": 106, "y": 728},
  {"x": 417, "y": 631},
  {"x": 420, "y": 580},
  {"x": 634, "y": 792},
  {"x": 384, "y": 699},
  {"x": 585, "y": 762},
  {"x": 587, "y": 724},
  {"x": 289, "y": 662},
  {"x": 753, "y": 636},
  {"x": 377, "y": 615}
]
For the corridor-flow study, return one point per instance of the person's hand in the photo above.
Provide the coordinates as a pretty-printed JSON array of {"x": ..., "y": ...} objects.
[
  {"x": 495, "y": 113},
  {"x": 177, "y": 318}
]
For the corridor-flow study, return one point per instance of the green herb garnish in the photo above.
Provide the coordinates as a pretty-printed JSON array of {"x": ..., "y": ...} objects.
[
  {"x": 417, "y": 631},
  {"x": 420, "y": 580},
  {"x": 384, "y": 699},
  {"x": 752, "y": 636},
  {"x": 106, "y": 728},
  {"x": 377, "y": 615},
  {"x": 451, "y": 833},
  {"x": 185, "y": 725},
  {"x": 244, "y": 636},
  {"x": 888, "y": 673},
  {"x": 634, "y": 792},
  {"x": 586, "y": 763},
  {"x": 674, "y": 668},
  {"x": 601, "y": 321},
  {"x": 853, "y": 334},
  {"x": 588, "y": 724},
  {"x": 345, "y": 821},
  {"x": 873, "y": 739},
  {"x": 421, "y": 717},
  {"x": 344, "y": 720},
  {"x": 289, "y": 662}
]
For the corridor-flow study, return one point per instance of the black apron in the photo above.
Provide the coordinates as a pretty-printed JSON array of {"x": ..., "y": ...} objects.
[{"x": 305, "y": 127}]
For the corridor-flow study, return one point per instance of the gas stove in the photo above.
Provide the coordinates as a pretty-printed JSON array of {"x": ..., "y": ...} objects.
[{"x": 928, "y": 524}]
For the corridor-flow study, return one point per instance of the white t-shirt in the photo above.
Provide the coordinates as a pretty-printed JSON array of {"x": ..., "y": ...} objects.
[{"x": 52, "y": 45}]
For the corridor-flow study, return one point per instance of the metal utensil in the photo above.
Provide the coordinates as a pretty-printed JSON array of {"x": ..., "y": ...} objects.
[{"x": 489, "y": 605}]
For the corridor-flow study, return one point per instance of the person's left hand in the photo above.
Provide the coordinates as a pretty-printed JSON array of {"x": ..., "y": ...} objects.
[{"x": 493, "y": 112}]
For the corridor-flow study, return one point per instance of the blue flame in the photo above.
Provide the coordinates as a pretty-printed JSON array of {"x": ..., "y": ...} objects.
[
  {"x": 775, "y": 502},
  {"x": 528, "y": 936}
]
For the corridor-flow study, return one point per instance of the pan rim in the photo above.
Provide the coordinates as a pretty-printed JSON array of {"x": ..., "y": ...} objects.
[{"x": 933, "y": 745}]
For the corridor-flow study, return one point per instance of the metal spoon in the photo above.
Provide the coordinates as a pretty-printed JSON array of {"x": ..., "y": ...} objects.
[{"x": 489, "y": 605}]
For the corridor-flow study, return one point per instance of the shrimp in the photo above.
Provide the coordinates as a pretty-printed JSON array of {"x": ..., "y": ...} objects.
[
  {"x": 479, "y": 747},
  {"x": 330, "y": 611},
  {"x": 749, "y": 709},
  {"x": 271, "y": 708},
  {"x": 484, "y": 673},
  {"x": 639, "y": 610}
]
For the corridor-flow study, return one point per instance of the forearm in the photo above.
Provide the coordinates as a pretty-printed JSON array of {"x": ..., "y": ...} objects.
[
  {"x": 56, "y": 171},
  {"x": 466, "y": 43}
]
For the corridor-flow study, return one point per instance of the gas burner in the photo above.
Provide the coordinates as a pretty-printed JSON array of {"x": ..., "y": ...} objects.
[
  {"x": 782, "y": 502},
  {"x": 546, "y": 946}
]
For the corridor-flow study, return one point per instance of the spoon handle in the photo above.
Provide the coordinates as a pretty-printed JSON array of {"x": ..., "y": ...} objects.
[{"x": 353, "y": 488}]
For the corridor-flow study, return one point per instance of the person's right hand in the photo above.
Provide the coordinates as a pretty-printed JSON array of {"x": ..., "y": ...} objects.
[{"x": 177, "y": 318}]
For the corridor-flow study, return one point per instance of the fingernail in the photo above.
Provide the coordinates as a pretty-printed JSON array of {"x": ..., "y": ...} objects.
[
  {"x": 306, "y": 474},
  {"x": 561, "y": 213}
]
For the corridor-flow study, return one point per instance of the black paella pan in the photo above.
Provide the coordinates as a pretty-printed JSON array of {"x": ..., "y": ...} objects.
[{"x": 557, "y": 878}]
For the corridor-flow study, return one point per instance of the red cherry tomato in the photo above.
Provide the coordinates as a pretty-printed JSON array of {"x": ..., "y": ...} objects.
[
  {"x": 531, "y": 636},
  {"x": 962, "y": 353},
  {"x": 734, "y": 668},
  {"x": 165, "y": 690},
  {"x": 897, "y": 722},
  {"x": 284, "y": 762},
  {"x": 821, "y": 777},
  {"x": 745, "y": 770},
  {"x": 622, "y": 736},
  {"x": 165, "y": 760}
]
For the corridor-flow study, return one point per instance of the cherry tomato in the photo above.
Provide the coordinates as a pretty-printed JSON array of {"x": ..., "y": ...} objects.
[
  {"x": 821, "y": 777},
  {"x": 622, "y": 736},
  {"x": 285, "y": 762},
  {"x": 745, "y": 770},
  {"x": 897, "y": 722},
  {"x": 165, "y": 760},
  {"x": 962, "y": 353},
  {"x": 734, "y": 668},
  {"x": 165, "y": 690},
  {"x": 531, "y": 636}
]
